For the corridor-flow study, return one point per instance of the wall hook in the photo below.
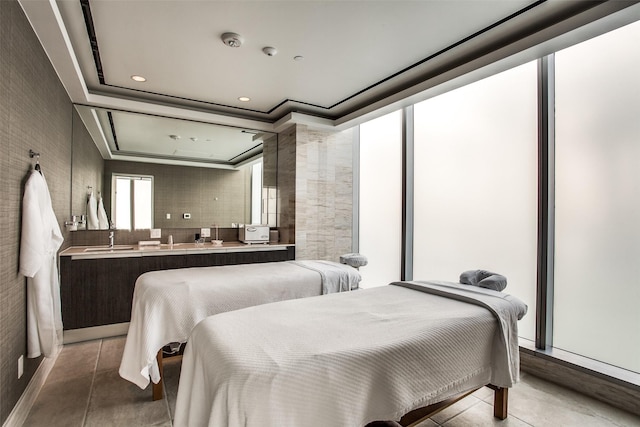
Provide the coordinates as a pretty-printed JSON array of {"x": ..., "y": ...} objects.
[{"x": 33, "y": 154}]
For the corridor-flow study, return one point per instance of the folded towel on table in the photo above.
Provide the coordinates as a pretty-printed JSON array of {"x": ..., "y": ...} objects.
[{"x": 484, "y": 279}]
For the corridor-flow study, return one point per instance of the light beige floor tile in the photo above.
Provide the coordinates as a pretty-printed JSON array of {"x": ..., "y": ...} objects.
[
  {"x": 64, "y": 397},
  {"x": 483, "y": 393},
  {"x": 171, "y": 377},
  {"x": 427, "y": 423},
  {"x": 481, "y": 415},
  {"x": 75, "y": 361},
  {"x": 111, "y": 353},
  {"x": 541, "y": 403},
  {"x": 455, "y": 409},
  {"x": 117, "y": 402},
  {"x": 61, "y": 403}
]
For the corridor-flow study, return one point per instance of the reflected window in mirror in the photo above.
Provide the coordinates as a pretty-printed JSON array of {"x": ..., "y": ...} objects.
[{"x": 132, "y": 202}]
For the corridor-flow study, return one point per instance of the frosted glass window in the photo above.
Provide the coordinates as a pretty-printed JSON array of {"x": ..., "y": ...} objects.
[
  {"x": 381, "y": 199},
  {"x": 597, "y": 243},
  {"x": 476, "y": 184}
]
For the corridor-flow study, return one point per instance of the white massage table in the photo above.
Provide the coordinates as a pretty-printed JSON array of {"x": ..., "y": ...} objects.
[
  {"x": 167, "y": 304},
  {"x": 349, "y": 359}
]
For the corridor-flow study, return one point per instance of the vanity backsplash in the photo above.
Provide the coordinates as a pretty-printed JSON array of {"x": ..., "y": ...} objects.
[{"x": 125, "y": 237}]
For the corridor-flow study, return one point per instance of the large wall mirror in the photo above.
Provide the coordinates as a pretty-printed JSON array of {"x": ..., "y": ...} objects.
[{"x": 198, "y": 174}]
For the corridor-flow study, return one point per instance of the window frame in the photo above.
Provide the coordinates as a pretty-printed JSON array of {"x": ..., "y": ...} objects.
[{"x": 132, "y": 178}]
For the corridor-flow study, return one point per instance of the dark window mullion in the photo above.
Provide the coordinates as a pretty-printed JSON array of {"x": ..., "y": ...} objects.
[
  {"x": 132, "y": 205},
  {"x": 546, "y": 171},
  {"x": 406, "y": 262}
]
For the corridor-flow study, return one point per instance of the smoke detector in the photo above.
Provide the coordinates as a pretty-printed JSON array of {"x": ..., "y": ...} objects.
[
  {"x": 270, "y": 51},
  {"x": 232, "y": 39}
]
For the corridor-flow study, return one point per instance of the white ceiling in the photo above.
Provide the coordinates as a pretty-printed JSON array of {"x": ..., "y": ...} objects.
[
  {"x": 126, "y": 135},
  {"x": 348, "y": 46},
  {"x": 359, "y": 56}
]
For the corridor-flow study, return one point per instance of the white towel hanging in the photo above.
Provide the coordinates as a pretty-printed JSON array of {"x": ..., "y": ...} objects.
[
  {"x": 92, "y": 213},
  {"x": 103, "y": 221}
]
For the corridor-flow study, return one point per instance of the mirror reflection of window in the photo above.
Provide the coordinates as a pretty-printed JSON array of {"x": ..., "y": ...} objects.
[{"x": 132, "y": 202}]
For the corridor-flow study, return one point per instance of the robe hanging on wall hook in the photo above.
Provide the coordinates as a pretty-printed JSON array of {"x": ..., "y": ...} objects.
[{"x": 33, "y": 154}]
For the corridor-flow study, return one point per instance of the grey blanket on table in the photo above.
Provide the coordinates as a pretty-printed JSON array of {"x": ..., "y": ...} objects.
[{"x": 335, "y": 277}]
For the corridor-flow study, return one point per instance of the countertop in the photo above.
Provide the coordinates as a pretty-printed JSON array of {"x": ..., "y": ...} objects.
[{"x": 132, "y": 251}]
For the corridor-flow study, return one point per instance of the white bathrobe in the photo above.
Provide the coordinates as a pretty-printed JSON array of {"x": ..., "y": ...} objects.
[{"x": 41, "y": 238}]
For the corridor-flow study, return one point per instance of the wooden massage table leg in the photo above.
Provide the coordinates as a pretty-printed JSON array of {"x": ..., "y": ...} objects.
[
  {"x": 157, "y": 388},
  {"x": 500, "y": 398},
  {"x": 500, "y": 401}
]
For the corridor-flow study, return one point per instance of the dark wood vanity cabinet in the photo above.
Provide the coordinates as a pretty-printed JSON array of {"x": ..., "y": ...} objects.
[
  {"x": 95, "y": 292},
  {"x": 169, "y": 262},
  {"x": 243, "y": 257}
]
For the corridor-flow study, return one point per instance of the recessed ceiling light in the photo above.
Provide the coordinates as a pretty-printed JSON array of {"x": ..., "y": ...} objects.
[
  {"x": 138, "y": 78},
  {"x": 244, "y": 99}
]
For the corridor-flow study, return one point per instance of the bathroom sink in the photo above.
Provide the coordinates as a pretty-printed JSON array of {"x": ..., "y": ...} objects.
[{"x": 108, "y": 249}]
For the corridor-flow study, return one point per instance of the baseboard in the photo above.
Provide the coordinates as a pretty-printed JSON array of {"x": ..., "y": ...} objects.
[
  {"x": 95, "y": 332},
  {"x": 613, "y": 391},
  {"x": 20, "y": 412}
]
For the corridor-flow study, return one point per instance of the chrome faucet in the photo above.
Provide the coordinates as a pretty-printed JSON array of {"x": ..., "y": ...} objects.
[{"x": 111, "y": 239}]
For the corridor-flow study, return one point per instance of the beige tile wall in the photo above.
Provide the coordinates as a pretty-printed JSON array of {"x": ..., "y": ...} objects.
[
  {"x": 315, "y": 186},
  {"x": 286, "y": 178}
]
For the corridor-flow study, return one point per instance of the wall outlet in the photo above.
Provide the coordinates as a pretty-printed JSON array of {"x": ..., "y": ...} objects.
[
  {"x": 205, "y": 232},
  {"x": 156, "y": 233},
  {"x": 20, "y": 366},
  {"x": 186, "y": 216},
  {"x": 168, "y": 216}
]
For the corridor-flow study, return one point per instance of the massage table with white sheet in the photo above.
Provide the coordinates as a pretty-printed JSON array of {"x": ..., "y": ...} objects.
[
  {"x": 167, "y": 304},
  {"x": 349, "y": 359}
]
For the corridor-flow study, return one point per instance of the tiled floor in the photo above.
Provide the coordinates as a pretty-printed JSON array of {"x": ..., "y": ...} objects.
[{"x": 84, "y": 389}]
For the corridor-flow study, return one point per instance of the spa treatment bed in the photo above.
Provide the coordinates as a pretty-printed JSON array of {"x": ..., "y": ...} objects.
[
  {"x": 168, "y": 304},
  {"x": 349, "y": 359}
]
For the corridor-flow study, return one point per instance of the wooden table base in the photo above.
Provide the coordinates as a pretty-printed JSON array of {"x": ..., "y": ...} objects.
[
  {"x": 157, "y": 388},
  {"x": 500, "y": 400}
]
